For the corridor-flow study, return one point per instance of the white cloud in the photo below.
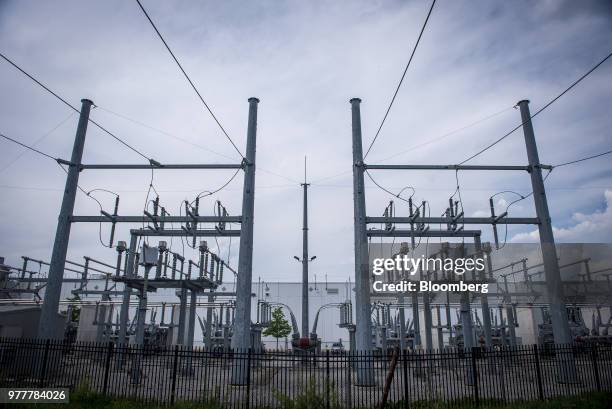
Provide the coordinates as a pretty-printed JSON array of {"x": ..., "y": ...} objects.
[
  {"x": 594, "y": 227},
  {"x": 305, "y": 60}
]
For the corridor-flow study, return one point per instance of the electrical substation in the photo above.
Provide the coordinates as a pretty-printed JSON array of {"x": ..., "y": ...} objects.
[
  {"x": 152, "y": 297},
  {"x": 438, "y": 307}
]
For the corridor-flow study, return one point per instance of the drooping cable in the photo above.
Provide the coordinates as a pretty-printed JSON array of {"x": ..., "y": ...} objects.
[
  {"x": 36, "y": 142},
  {"x": 8, "y": 138},
  {"x": 552, "y": 101},
  {"x": 73, "y": 107},
  {"x": 189, "y": 79},
  {"x": 582, "y": 159},
  {"x": 401, "y": 79}
]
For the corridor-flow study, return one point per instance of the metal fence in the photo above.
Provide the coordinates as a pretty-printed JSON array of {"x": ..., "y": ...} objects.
[{"x": 174, "y": 373}]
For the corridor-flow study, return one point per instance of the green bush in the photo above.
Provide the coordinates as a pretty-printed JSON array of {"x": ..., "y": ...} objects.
[{"x": 310, "y": 398}]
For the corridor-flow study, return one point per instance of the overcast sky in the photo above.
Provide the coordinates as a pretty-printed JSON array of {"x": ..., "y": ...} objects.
[{"x": 304, "y": 61}]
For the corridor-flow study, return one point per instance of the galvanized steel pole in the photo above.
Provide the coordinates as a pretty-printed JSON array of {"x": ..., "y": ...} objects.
[
  {"x": 363, "y": 336},
  {"x": 484, "y": 301},
  {"x": 127, "y": 291},
  {"x": 305, "y": 261},
  {"x": 48, "y": 326},
  {"x": 554, "y": 285},
  {"x": 558, "y": 311},
  {"x": 241, "y": 339}
]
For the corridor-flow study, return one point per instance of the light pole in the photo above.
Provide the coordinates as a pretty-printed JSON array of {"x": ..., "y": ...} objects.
[{"x": 305, "y": 260}]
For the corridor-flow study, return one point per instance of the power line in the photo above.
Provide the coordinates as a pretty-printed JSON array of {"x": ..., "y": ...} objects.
[
  {"x": 28, "y": 147},
  {"x": 521, "y": 197},
  {"x": 401, "y": 79},
  {"x": 447, "y": 134},
  {"x": 539, "y": 111},
  {"x": 209, "y": 193},
  {"x": 186, "y": 141},
  {"x": 583, "y": 159},
  {"x": 88, "y": 193},
  {"x": 314, "y": 182},
  {"x": 36, "y": 142},
  {"x": 73, "y": 107},
  {"x": 189, "y": 79},
  {"x": 398, "y": 195},
  {"x": 287, "y": 178},
  {"x": 161, "y": 131}
]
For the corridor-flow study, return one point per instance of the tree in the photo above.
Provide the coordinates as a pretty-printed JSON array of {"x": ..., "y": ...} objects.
[
  {"x": 76, "y": 311},
  {"x": 279, "y": 326}
]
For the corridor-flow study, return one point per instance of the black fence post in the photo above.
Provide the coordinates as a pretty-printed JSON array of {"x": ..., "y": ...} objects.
[
  {"x": 536, "y": 354},
  {"x": 595, "y": 367},
  {"x": 109, "y": 355},
  {"x": 248, "y": 394},
  {"x": 174, "y": 372},
  {"x": 43, "y": 370},
  {"x": 405, "y": 377},
  {"x": 475, "y": 350},
  {"x": 327, "y": 385}
]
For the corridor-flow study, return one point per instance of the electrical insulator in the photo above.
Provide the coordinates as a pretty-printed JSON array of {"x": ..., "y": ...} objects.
[{"x": 212, "y": 266}]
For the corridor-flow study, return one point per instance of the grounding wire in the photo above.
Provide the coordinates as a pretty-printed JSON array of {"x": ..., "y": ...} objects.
[
  {"x": 188, "y": 79},
  {"x": 401, "y": 79},
  {"x": 8, "y": 138},
  {"x": 186, "y": 141},
  {"x": 582, "y": 159},
  {"x": 538, "y": 111},
  {"x": 73, "y": 107},
  {"x": 37, "y": 141}
]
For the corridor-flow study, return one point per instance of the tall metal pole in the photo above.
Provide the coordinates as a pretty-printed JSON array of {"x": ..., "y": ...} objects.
[
  {"x": 305, "y": 260},
  {"x": 49, "y": 326},
  {"x": 209, "y": 324},
  {"x": 127, "y": 291},
  {"x": 142, "y": 308},
  {"x": 363, "y": 335},
  {"x": 428, "y": 321},
  {"x": 402, "y": 323},
  {"x": 554, "y": 285},
  {"x": 416, "y": 320},
  {"x": 484, "y": 301},
  {"x": 241, "y": 339}
]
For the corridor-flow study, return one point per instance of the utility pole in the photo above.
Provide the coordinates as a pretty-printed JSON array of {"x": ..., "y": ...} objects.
[
  {"x": 554, "y": 285},
  {"x": 241, "y": 339},
  {"x": 558, "y": 311},
  {"x": 363, "y": 336},
  {"x": 48, "y": 324}
]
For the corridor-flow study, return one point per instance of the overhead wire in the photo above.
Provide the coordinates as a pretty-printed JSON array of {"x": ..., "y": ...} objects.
[
  {"x": 521, "y": 197},
  {"x": 388, "y": 191},
  {"x": 8, "y": 138},
  {"x": 458, "y": 193},
  {"x": 186, "y": 141},
  {"x": 552, "y": 101},
  {"x": 188, "y": 79},
  {"x": 165, "y": 133},
  {"x": 447, "y": 134},
  {"x": 401, "y": 79},
  {"x": 36, "y": 142},
  {"x": 582, "y": 159},
  {"x": 73, "y": 107},
  {"x": 88, "y": 193}
]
